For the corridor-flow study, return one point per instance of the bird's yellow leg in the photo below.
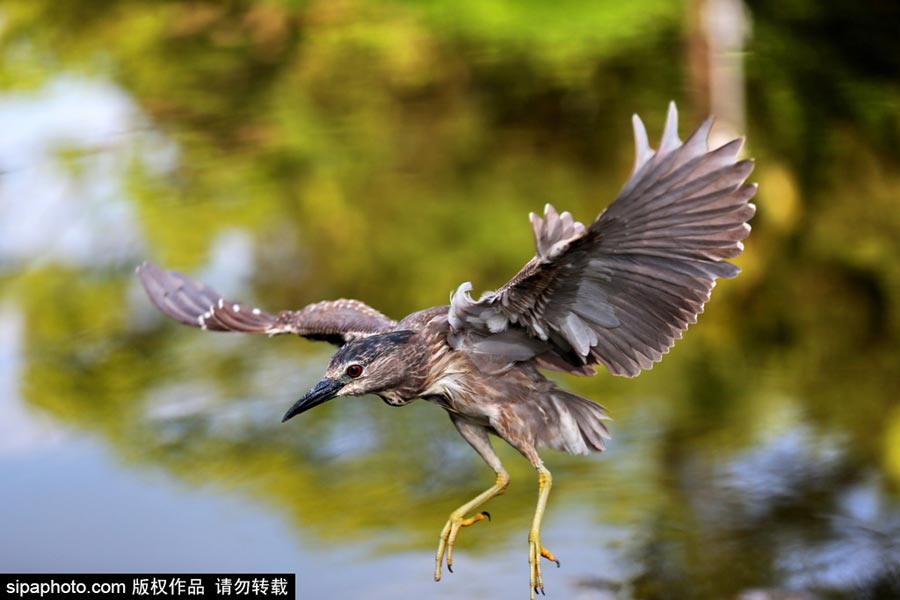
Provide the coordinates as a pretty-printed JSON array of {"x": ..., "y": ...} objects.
[
  {"x": 458, "y": 520},
  {"x": 535, "y": 549}
]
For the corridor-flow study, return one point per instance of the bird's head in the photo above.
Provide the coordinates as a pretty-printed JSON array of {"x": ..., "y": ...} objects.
[{"x": 371, "y": 365}]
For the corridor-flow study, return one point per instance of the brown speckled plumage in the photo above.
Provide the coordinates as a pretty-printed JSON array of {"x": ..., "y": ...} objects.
[{"x": 616, "y": 293}]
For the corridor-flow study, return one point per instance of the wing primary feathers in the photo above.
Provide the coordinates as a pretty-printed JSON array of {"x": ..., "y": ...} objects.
[
  {"x": 642, "y": 151},
  {"x": 670, "y": 139},
  {"x": 192, "y": 303}
]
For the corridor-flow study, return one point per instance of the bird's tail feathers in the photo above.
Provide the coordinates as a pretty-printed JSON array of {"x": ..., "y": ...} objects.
[{"x": 582, "y": 428}]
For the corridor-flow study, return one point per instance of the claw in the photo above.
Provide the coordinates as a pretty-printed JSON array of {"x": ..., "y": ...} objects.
[
  {"x": 448, "y": 539},
  {"x": 549, "y": 556},
  {"x": 458, "y": 520}
]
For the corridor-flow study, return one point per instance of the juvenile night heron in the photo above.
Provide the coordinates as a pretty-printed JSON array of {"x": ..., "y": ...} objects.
[{"x": 616, "y": 293}]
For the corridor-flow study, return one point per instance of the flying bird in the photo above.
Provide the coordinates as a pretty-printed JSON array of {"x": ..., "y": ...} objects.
[{"x": 617, "y": 293}]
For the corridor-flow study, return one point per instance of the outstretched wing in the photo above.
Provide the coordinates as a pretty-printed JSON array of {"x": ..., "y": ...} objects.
[
  {"x": 192, "y": 303},
  {"x": 621, "y": 291}
]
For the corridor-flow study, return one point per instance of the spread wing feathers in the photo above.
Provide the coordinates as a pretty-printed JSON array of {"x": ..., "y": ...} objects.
[
  {"x": 621, "y": 291},
  {"x": 192, "y": 303}
]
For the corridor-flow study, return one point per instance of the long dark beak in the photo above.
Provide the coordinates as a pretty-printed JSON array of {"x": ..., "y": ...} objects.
[{"x": 324, "y": 391}]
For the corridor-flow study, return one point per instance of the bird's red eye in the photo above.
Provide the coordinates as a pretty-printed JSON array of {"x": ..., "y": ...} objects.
[{"x": 354, "y": 371}]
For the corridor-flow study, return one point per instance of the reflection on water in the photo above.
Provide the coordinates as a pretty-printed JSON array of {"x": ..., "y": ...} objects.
[
  {"x": 285, "y": 163},
  {"x": 39, "y": 221}
]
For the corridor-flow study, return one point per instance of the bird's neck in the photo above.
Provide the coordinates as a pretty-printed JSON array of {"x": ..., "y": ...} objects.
[
  {"x": 413, "y": 359},
  {"x": 426, "y": 360}
]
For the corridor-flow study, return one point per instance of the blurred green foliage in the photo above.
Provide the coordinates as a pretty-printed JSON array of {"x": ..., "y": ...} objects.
[{"x": 391, "y": 150}]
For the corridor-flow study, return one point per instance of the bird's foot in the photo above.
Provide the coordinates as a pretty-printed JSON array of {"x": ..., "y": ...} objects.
[
  {"x": 535, "y": 551},
  {"x": 448, "y": 539}
]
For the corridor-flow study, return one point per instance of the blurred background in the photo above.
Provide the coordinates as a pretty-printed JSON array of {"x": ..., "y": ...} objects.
[{"x": 289, "y": 151}]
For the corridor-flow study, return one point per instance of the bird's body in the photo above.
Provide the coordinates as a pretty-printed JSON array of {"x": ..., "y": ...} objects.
[
  {"x": 511, "y": 399},
  {"x": 616, "y": 293}
]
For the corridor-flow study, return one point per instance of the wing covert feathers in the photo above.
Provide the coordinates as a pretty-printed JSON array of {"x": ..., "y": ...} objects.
[{"x": 622, "y": 290}]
